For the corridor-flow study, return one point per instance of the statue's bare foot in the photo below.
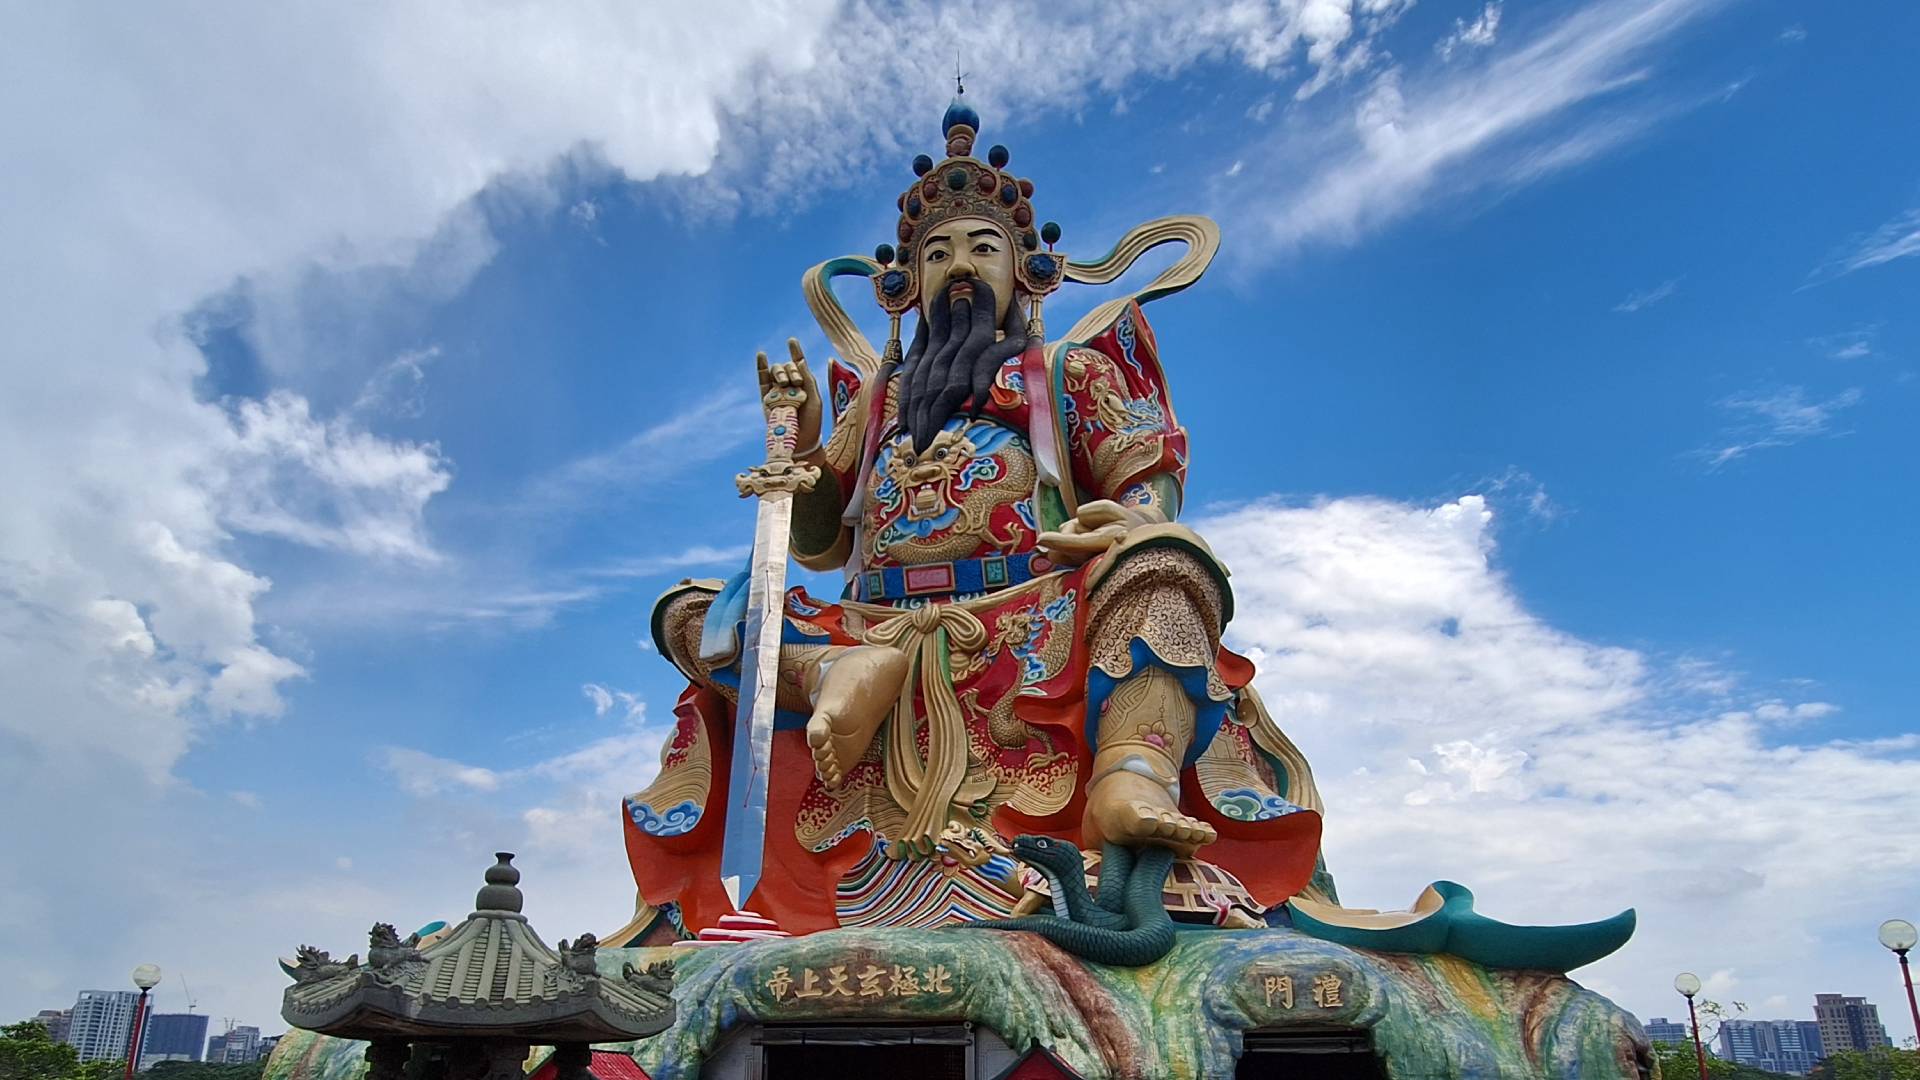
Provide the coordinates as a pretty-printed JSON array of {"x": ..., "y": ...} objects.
[
  {"x": 1124, "y": 807},
  {"x": 857, "y": 691}
]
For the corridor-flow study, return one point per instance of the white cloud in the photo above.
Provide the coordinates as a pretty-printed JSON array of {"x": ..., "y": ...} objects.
[
  {"x": 1779, "y": 417},
  {"x": 604, "y": 698},
  {"x": 1538, "y": 107},
  {"x": 1793, "y": 35},
  {"x": 1457, "y": 735},
  {"x": 1897, "y": 239},
  {"x": 1517, "y": 486},
  {"x": 655, "y": 453},
  {"x": 326, "y": 485},
  {"x": 729, "y": 559},
  {"x": 601, "y": 697},
  {"x": 1648, "y": 297},
  {"x": 1483, "y": 31},
  {"x": 419, "y": 773},
  {"x": 398, "y": 388},
  {"x": 1855, "y": 344}
]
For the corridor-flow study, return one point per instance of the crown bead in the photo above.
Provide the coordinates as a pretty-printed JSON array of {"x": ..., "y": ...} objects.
[
  {"x": 960, "y": 114},
  {"x": 930, "y": 187},
  {"x": 906, "y": 231},
  {"x": 998, "y": 156},
  {"x": 922, "y": 165},
  {"x": 957, "y": 179},
  {"x": 1009, "y": 194},
  {"x": 1028, "y": 240},
  {"x": 1026, "y": 189},
  {"x": 1023, "y": 215},
  {"x": 883, "y": 254},
  {"x": 1050, "y": 232},
  {"x": 984, "y": 183}
]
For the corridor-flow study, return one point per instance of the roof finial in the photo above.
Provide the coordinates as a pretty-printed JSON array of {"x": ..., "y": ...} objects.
[
  {"x": 499, "y": 894},
  {"x": 959, "y": 80}
]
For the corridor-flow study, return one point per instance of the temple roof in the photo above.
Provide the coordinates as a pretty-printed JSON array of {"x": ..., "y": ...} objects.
[{"x": 491, "y": 977}]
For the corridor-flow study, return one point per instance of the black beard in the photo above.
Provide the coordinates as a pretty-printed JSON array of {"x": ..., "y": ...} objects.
[{"x": 953, "y": 359}]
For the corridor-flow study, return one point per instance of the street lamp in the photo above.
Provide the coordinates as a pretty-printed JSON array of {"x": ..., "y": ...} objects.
[
  {"x": 1689, "y": 984},
  {"x": 146, "y": 977},
  {"x": 1899, "y": 935}
]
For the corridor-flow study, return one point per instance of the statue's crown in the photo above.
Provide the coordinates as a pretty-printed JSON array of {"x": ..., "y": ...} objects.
[{"x": 962, "y": 185}]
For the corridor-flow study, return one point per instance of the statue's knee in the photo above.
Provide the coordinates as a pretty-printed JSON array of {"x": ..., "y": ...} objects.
[
  {"x": 679, "y": 618},
  {"x": 1166, "y": 589}
]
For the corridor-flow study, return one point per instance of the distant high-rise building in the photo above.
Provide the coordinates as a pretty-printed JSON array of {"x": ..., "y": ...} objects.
[
  {"x": 102, "y": 1024},
  {"x": 1782, "y": 1046},
  {"x": 56, "y": 1021},
  {"x": 173, "y": 1037},
  {"x": 237, "y": 1046},
  {"x": 1662, "y": 1030},
  {"x": 1848, "y": 1023}
]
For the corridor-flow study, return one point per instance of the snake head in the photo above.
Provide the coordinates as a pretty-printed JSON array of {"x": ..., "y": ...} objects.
[{"x": 1049, "y": 853}]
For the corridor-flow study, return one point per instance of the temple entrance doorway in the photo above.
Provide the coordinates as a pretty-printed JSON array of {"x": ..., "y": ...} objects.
[
  {"x": 898, "y": 1051},
  {"x": 922, "y": 1061},
  {"x": 1329, "y": 1054}
]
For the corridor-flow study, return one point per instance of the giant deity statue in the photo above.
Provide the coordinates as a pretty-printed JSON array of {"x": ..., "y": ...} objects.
[
  {"x": 1029, "y": 640},
  {"x": 1026, "y": 662}
]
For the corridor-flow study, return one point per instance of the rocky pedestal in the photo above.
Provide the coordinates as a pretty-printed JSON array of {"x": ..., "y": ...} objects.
[{"x": 1187, "y": 1016}]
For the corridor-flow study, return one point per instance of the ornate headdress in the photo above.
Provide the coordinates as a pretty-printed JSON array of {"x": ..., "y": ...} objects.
[{"x": 964, "y": 186}]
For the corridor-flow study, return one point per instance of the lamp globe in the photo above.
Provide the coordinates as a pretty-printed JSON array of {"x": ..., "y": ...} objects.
[
  {"x": 1687, "y": 983},
  {"x": 1898, "y": 935}
]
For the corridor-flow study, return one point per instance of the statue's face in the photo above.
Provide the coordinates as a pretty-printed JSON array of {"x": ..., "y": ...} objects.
[{"x": 964, "y": 250}]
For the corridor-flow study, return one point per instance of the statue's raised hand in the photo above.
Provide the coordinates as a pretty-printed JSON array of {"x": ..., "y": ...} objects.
[{"x": 790, "y": 399}]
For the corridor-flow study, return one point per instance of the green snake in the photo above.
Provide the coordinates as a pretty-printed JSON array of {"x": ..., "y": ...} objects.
[{"x": 1127, "y": 926}]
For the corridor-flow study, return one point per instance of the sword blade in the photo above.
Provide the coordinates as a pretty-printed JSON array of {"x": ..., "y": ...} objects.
[{"x": 743, "y": 850}]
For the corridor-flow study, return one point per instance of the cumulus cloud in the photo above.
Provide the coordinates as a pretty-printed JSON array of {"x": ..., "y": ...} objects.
[
  {"x": 1455, "y": 734},
  {"x": 326, "y": 485}
]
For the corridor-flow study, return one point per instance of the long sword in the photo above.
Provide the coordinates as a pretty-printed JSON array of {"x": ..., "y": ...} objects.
[{"x": 743, "y": 851}]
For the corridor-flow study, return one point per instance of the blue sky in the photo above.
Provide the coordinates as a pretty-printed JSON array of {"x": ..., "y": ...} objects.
[{"x": 1553, "y": 403}]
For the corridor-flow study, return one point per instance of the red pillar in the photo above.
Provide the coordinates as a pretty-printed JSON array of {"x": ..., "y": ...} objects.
[
  {"x": 139, "y": 1021},
  {"x": 1906, "y": 975},
  {"x": 1699, "y": 1051}
]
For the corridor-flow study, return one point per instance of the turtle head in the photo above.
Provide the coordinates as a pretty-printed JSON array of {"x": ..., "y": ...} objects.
[{"x": 1048, "y": 853}]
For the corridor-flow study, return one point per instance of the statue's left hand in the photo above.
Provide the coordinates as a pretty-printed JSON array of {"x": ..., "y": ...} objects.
[{"x": 1098, "y": 526}]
